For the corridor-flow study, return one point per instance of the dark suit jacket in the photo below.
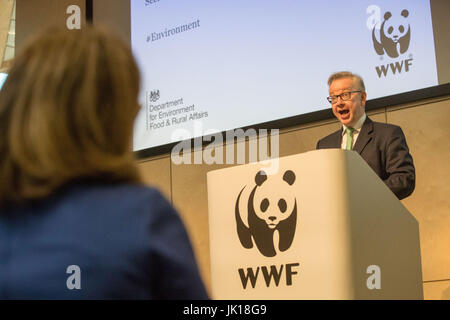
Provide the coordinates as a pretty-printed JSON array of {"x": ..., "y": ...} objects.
[
  {"x": 383, "y": 146},
  {"x": 127, "y": 240}
]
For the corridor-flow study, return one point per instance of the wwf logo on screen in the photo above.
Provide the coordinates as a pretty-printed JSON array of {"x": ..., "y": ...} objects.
[
  {"x": 154, "y": 96},
  {"x": 271, "y": 208},
  {"x": 393, "y": 36}
]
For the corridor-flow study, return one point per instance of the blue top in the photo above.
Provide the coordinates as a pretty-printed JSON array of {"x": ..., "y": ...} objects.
[{"x": 119, "y": 241}]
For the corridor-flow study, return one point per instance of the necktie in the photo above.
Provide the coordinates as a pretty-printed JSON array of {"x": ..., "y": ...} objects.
[{"x": 349, "y": 132}]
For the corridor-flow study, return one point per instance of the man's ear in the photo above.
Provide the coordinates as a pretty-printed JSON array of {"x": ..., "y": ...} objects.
[{"x": 363, "y": 98}]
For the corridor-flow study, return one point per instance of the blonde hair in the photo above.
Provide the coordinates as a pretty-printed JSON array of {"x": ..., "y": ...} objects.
[
  {"x": 347, "y": 74},
  {"x": 67, "y": 111}
]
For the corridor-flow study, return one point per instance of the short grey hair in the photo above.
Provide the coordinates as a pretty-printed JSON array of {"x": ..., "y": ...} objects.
[{"x": 347, "y": 74}]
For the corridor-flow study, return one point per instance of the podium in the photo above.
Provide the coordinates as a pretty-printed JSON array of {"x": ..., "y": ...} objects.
[{"x": 317, "y": 225}]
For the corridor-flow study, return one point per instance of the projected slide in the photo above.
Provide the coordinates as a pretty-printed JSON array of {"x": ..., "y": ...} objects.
[{"x": 212, "y": 66}]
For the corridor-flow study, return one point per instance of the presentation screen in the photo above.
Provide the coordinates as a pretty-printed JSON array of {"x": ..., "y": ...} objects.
[{"x": 213, "y": 66}]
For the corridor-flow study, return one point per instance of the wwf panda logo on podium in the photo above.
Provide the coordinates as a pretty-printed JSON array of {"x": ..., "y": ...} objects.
[
  {"x": 271, "y": 214},
  {"x": 394, "y": 34}
]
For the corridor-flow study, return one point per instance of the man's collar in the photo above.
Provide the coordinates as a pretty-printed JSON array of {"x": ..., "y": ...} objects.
[{"x": 357, "y": 125}]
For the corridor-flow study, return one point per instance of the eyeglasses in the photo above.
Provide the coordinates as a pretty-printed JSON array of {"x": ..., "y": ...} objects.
[{"x": 344, "y": 96}]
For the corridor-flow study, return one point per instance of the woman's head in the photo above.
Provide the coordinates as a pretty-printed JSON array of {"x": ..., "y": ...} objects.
[{"x": 66, "y": 112}]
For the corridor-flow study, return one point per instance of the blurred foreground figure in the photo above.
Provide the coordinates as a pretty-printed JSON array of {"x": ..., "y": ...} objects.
[{"x": 75, "y": 220}]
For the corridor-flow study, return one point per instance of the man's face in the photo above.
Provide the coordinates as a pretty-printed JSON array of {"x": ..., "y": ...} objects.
[{"x": 347, "y": 112}]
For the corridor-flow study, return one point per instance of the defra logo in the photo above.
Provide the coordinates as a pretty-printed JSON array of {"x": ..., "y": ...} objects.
[{"x": 391, "y": 37}]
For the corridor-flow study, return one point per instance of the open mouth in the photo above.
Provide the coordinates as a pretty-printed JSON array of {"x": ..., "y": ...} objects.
[{"x": 344, "y": 114}]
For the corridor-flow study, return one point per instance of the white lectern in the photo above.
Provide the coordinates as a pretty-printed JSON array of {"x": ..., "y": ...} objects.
[{"x": 321, "y": 226}]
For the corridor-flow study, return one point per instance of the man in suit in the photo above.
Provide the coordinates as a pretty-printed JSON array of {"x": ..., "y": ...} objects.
[{"x": 383, "y": 146}]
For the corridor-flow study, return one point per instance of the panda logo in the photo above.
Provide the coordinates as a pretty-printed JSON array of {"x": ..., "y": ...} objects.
[
  {"x": 271, "y": 209},
  {"x": 394, "y": 36}
]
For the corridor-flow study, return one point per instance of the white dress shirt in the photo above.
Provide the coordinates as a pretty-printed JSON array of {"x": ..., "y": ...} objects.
[{"x": 357, "y": 128}]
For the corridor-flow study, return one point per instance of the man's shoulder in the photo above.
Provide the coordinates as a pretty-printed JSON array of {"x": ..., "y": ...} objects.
[
  {"x": 332, "y": 135},
  {"x": 383, "y": 127},
  {"x": 330, "y": 141}
]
